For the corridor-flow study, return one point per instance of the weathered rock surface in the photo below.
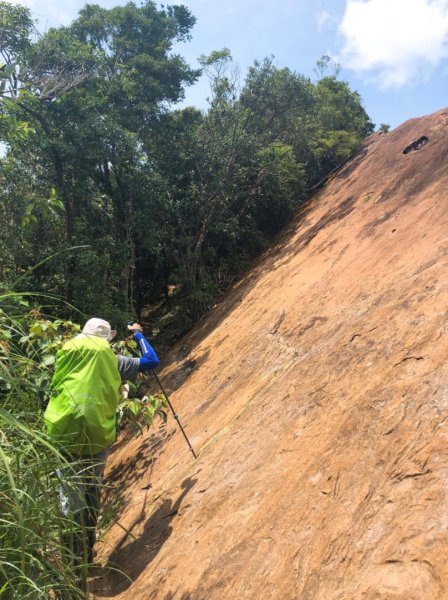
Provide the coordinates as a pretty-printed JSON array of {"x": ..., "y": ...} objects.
[{"x": 316, "y": 395}]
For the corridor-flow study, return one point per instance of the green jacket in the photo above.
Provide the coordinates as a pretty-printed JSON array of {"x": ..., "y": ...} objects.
[{"x": 80, "y": 416}]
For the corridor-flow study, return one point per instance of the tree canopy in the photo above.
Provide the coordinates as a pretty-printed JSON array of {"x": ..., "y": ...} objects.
[{"x": 138, "y": 201}]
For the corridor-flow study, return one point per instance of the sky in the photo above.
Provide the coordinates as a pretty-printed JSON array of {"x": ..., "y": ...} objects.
[{"x": 393, "y": 52}]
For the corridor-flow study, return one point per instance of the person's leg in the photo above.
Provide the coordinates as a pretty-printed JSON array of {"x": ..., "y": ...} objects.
[
  {"x": 72, "y": 495},
  {"x": 92, "y": 494},
  {"x": 80, "y": 488},
  {"x": 72, "y": 486}
]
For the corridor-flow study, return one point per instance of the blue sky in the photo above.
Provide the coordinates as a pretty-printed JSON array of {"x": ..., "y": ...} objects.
[{"x": 393, "y": 52}]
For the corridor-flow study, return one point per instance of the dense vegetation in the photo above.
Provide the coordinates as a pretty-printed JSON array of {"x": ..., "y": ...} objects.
[
  {"x": 112, "y": 200},
  {"x": 162, "y": 200},
  {"x": 34, "y": 560},
  {"x": 36, "y": 540}
]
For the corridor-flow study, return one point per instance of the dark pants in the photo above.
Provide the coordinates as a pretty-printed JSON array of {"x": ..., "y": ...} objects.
[{"x": 80, "y": 501}]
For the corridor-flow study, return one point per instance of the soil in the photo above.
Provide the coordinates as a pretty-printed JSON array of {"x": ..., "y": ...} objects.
[{"x": 316, "y": 397}]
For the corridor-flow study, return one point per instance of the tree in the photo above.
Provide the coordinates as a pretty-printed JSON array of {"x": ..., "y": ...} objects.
[
  {"x": 326, "y": 63},
  {"x": 16, "y": 27},
  {"x": 336, "y": 127},
  {"x": 156, "y": 197},
  {"x": 95, "y": 89},
  {"x": 234, "y": 170}
]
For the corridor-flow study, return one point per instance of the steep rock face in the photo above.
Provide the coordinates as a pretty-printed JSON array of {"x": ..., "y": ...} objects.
[{"x": 316, "y": 395}]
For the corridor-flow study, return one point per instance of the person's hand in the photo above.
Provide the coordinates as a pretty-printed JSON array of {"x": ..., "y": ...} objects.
[{"x": 135, "y": 327}]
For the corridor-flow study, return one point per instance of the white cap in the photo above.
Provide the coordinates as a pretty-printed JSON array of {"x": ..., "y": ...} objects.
[{"x": 100, "y": 328}]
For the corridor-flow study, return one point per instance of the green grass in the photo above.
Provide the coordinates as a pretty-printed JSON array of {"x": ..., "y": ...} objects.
[{"x": 35, "y": 558}]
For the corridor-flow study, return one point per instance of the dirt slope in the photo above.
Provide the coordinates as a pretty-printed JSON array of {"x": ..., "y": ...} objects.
[{"x": 316, "y": 395}]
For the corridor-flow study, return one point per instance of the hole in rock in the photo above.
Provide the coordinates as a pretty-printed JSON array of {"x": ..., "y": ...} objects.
[{"x": 416, "y": 145}]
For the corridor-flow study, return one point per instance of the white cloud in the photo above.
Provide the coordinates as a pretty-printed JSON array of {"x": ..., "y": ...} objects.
[
  {"x": 322, "y": 19},
  {"x": 394, "y": 42}
]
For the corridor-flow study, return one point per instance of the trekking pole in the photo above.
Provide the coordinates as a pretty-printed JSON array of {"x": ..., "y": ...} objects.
[
  {"x": 174, "y": 412},
  {"x": 130, "y": 322}
]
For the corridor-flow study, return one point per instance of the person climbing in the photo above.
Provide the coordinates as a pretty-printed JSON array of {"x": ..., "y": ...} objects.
[{"x": 80, "y": 419}]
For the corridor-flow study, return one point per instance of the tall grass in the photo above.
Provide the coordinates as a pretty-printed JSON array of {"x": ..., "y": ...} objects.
[
  {"x": 35, "y": 557},
  {"x": 36, "y": 539}
]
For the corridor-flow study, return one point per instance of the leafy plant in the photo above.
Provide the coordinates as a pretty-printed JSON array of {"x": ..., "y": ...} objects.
[
  {"x": 36, "y": 540},
  {"x": 384, "y": 127},
  {"x": 35, "y": 560},
  {"x": 138, "y": 409},
  {"x": 137, "y": 413}
]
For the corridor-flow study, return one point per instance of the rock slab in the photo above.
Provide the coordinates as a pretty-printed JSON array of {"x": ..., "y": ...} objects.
[{"x": 316, "y": 395}]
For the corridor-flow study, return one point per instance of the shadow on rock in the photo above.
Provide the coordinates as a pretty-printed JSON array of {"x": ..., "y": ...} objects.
[{"x": 127, "y": 561}]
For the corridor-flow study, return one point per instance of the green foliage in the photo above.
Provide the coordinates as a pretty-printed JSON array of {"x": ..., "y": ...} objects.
[
  {"x": 136, "y": 204},
  {"x": 46, "y": 208},
  {"x": 92, "y": 91},
  {"x": 136, "y": 413},
  {"x": 16, "y": 27},
  {"x": 282, "y": 187},
  {"x": 35, "y": 557},
  {"x": 137, "y": 409},
  {"x": 40, "y": 345},
  {"x": 326, "y": 63},
  {"x": 35, "y": 561},
  {"x": 235, "y": 175},
  {"x": 165, "y": 200}
]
